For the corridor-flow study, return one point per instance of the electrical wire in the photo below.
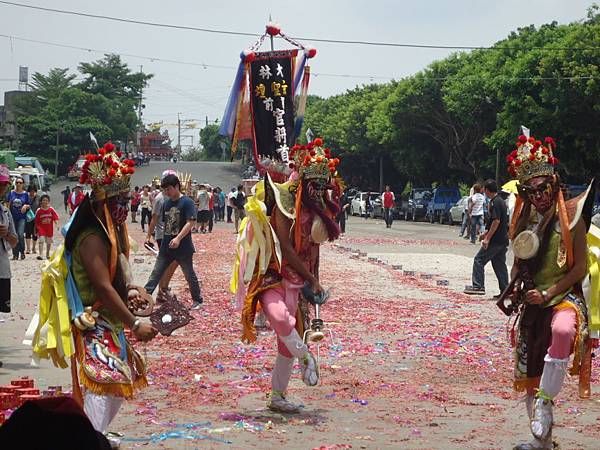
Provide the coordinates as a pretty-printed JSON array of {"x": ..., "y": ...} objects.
[{"x": 312, "y": 39}]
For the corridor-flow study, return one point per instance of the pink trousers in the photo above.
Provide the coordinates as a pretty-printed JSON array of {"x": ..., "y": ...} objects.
[
  {"x": 280, "y": 305},
  {"x": 564, "y": 329}
]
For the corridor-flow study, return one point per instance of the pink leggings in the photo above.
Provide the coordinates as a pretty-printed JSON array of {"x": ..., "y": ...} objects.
[
  {"x": 280, "y": 305},
  {"x": 564, "y": 329}
]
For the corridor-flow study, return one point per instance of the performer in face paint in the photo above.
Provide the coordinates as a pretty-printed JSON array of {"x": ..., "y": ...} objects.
[
  {"x": 293, "y": 219},
  {"x": 549, "y": 241},
  {"x": 99, "y": 294}
]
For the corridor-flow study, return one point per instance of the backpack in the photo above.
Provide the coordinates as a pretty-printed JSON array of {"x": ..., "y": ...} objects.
[{"x": 239, "y": 200}]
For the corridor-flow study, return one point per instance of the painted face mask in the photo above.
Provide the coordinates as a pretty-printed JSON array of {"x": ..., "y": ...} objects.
[
  {"x": 119, "y": 209},
  {"x": 316, "y": 190},
  {"x": 540, "y": 194}
]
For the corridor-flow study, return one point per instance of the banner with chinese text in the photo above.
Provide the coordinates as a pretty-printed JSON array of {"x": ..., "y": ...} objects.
[{"x": 272, "y": 103}]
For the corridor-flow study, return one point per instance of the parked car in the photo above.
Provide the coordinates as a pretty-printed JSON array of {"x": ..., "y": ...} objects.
[
  {"x": 75, "y": 170},
  {"x": 457, "y": 212},
  {"x": 441, "y": 202},
  {"x": 31, "y": 177},
  {"x": 358, "y": 203},
  {"x": 29, "y": 161},
  {"x": 416, "y": 206}
]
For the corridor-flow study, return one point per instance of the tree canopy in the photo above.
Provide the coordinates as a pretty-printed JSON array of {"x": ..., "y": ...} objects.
[
  {"x": 104, "y": 103},
  {"x": 445, "y": 123}
]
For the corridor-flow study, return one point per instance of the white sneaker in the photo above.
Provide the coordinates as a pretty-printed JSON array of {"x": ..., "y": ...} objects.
[
  {"x": 309, "y": 369},
  {"x": 276, "y": 401},
  {"x": 541, "y": 423}
]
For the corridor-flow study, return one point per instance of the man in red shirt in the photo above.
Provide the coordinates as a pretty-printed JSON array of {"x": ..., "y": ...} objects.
[
  {"x": 388, "y": 198},
  {"x": 75, "y": 198}
]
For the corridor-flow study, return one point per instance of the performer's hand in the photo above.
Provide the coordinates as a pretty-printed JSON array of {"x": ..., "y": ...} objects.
[
  {"x": 316, "y": 287},
  {"x": 534, "y": 297},
  {"x": 485, "y": 243},
  {"x": 174, "y": 243},
  {"x": 145, "y": 332},
  {"x": 3, "y": 230}
]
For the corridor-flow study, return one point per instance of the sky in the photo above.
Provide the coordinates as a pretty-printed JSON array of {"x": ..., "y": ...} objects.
[{"x": 196, "y": 92}]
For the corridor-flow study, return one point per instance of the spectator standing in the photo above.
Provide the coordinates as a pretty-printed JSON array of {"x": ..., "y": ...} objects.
[
  {"x": 476, "y": 212},
  {"x": 204, "y": 211},
  {"x": 30, "y": 230},
  {"x": 146, "y": 206},
  {"x": 46, "y": 219},
  {"x": 344, "y": 205},
  {"x": 66, "y": 193},
  {"x": 211, "y": 208},
  {"x": 465, "y": 226},
  {"x": 230, "y": 206},
  {"x": 216, "y": 205},
  {"x": 179, "y": 214},
  {"x": 75, "y": 198},
  {"x": 494, "y": 244},
  {"x": 238, "y": 202},
  {"x": 18, "y": 202},
  {"x": 367, "y": 204},
  {"x": 8, "y": 241},
  {"x": 222, "y": 201},
  {"x": 135, "y": 204},
  {"x": 387, "y": 200}
]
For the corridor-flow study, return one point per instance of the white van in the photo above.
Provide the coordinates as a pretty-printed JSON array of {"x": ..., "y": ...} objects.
[{"x": 31, "y": 176}]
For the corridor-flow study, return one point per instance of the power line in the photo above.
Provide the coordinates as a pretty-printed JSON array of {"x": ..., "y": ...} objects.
[
  {"x": 157, "y": 59},
  {"x": 312, "y": 39}
]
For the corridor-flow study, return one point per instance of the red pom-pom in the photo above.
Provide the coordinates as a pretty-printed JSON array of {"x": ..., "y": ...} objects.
[
  {"x": 533, "y": 150},
  {"x": 248, "y": 56},
  {"x": 296, "y": 148},
  {"x": 318, "y": 142},
  {"x": 332, "y": 169},
  {"x": 112, "y": 172},
  {"x": 522, "y": 139},
  {"x": 537, "y": 144},
  {"x": 98, "y": 158},
  {"x": 115, "y": 165},
  {"x": 131, "y": 163},
  {"x": 310, "y": 146},
  {"x": 531, "y": 139},
  {"x": 517, "y": 162},
  {"x": 336, "y": 161},
  {"x": 273, "y": 29},
  {"x": 532, "y": 157},
  {"x": 509, "y": 159},
  {"x": 106, "y": 181},
  {"x": 109, "y": 147},
  {"x": 89, "y": 157},
  {"x": 102, "y": 151},
  {"x": 119, "y": 154},
  {"x": 310, "y": 52},
  {"x": 545, "y": 151},
  {"x": 313, "y": 153},
  {"x": 514, "y": 153},
  {"x": 81, "y": 179}
]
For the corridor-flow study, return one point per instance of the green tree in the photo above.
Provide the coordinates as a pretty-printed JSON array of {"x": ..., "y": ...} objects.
[{"x": 213, "y": 143}]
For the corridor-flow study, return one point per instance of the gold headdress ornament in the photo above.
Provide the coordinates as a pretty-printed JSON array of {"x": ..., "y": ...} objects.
[
  {"x": 532, "y": 159},
  {"x": 106, "y": 173},
  {"x": 185, "y": 181},
  {"x": 313, "y": 161}
]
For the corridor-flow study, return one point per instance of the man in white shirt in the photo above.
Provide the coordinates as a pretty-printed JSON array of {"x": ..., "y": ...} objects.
[{"x": 476, "y": 212}]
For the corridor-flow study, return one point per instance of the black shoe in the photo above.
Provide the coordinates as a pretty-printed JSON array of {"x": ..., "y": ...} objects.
[
  {"x": 474, "y": 290},
  {"x": 497, "y": 297},
  {"x": 197, "y": 305},
  {"x": 22, "y": 256}
]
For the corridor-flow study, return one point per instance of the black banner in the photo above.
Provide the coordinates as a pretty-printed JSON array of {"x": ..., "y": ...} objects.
[{"x": 271, "y": 89}]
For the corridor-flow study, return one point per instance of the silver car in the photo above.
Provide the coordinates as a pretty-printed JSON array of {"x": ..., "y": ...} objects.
[{"x": 456, "y": 213}]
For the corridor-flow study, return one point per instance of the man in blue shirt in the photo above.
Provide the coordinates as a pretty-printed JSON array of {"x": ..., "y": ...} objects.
[{"x": 179, "y": 215}]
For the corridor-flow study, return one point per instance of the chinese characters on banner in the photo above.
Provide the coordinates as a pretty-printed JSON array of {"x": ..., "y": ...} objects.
[{"x": 273, "y": 103}]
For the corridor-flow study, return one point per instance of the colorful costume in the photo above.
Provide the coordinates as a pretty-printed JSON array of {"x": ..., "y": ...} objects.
[
  {"x": 73, "y": 323},
  {"x": 264, "y": 278},
  {"x": 543, "y": 243}
]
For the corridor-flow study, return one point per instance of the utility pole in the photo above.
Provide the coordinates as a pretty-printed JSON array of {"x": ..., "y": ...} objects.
[
  {"x": 178, "y": 132},
  {"x": 139, "y": 131},
  {"x": 58, "y": 130},
  {"x": 381, "y": 174},
  {"x": 272, "y": 45},
  {"x": 498, "y": 165}
]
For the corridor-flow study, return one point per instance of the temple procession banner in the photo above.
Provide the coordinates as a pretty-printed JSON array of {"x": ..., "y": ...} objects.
[
  {"x": 268, "y": 98},
  {"x": 273, "y": 103}
]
